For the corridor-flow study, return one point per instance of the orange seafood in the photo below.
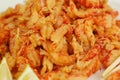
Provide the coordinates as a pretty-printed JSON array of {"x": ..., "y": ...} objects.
[
  {"x": 59, "y": 39},
  {"x": 83, "y": 68},
  {"x": 114, "y": 76},
  {"x": 59, "y": 54},
  {"x": 91, "y": 59},
  {"x": 111, "y": 57},
  {"x": 4, "y": 38},
  {"x": 74, "y": 11},
  {"x": 91, "y": 3},
  {"x": 111, "y": 48},
  {"x": 4, "y": 34},
  {"x": 118, "y": 22}
]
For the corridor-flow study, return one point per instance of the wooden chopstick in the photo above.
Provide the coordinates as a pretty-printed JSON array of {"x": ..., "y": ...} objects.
[{"x": 112, "y": 68}]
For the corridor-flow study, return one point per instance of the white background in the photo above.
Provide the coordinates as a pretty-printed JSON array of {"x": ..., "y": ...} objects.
[
  {"x": 115, "y": 4},
  {"x": 4, "y": 4}
]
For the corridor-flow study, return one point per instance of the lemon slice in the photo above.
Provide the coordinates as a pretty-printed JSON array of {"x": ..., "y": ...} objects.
[
  {"x": 5, "y": 73},
  {"x": 28, "y": 74}
]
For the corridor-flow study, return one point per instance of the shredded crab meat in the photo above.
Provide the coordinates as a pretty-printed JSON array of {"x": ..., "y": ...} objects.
[
  {"x": 114, "y": 76},
  {"x": 60, "y": 39}
]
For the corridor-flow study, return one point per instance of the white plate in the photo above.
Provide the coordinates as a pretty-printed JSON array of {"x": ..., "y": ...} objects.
[{"x": 4, "y": 4}]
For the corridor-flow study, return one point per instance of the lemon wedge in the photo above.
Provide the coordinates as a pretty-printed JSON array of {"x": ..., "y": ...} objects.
[
  {"x": 28, "y": 74},
  {"x": 5, "y": 73}
]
